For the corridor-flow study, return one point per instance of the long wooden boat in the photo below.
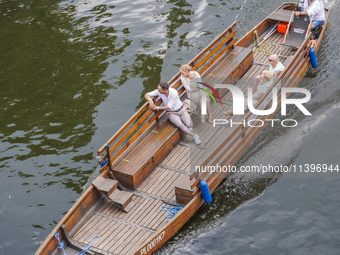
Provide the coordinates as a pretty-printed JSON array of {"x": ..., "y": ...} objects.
[{"x": 146, "y": 165}]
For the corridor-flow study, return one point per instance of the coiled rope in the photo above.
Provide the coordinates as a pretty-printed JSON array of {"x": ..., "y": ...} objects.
[
  {"x": 172, "y": 211},
  {"x": 260, "y": 47}
]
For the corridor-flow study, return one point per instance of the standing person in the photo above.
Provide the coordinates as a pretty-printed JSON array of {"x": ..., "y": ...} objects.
[
  {"x": 174, "y": 108},
  {"x": 313, "y": 8},
  {"x": 190, "y": 81}
]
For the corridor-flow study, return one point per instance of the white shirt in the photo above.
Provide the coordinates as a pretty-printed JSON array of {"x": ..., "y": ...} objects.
[
  {"x": 316, "y": 8},
  {"x": 172, "y": 101},
  {"x": 278, "y": 67}
]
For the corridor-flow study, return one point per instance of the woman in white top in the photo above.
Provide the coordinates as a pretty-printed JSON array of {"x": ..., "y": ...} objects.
[{"x": 190, "y": 81}]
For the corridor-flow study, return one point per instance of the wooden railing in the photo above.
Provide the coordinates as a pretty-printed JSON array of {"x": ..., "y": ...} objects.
[{"x": 144, "y": 118}]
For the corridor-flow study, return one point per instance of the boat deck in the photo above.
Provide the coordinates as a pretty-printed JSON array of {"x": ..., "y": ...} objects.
[{"x": 122, "y": 232}]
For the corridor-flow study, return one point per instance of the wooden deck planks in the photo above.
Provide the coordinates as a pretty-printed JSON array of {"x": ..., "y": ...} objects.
[
  {"x": 178, "y": 150},
  {"x": 88, "y": 233},
  {"x": 138, "y": 240},
  {"x": 160, "y": 181},
  {"x": 116, "y": 236},
  {"x": 147, "y": 221},
  {"x": 132, "y": 234},
  {"x": 133, "y": 239},
  {"x": 119, "y": 238},
  {"x": 151, "y": 179},
  {"x": 141, "y": 240},
  {"x": 110, "y": 236},
  {"x": 83, "y": 230}
]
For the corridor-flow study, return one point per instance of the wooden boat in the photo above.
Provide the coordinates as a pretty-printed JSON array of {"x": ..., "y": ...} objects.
[{"x": 146, "y": 164}]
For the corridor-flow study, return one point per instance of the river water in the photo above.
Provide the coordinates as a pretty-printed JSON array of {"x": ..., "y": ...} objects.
[{"x": 72, "y": 72}]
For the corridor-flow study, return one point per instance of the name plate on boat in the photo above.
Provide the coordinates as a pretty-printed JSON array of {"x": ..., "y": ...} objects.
[{"x": 153, "y": 243}]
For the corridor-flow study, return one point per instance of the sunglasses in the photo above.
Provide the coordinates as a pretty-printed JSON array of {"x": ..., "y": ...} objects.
[{"x": 270, "y": 60}]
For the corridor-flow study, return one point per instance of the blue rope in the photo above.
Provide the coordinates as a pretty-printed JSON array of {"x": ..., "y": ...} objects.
[
  {"x": 61, "y": 245},
  {"x": 172, "y": 211},
  {"x": 88, "y": 247}
]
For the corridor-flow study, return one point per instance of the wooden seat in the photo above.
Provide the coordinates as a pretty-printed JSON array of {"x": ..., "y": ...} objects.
[
  {"x": 136, "y": 164},
  {"x": 122, "y": 199},
  {"x": 106, "y": 185},
  {"x": 229, "y": 68},
  {"x": 281, "y": 15}
]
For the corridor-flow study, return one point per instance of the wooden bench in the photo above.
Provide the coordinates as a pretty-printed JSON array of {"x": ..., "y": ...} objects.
[
  {"x": 229, "y": 68},
  {"x": 109, "y": 187},
  {"x": 135, "y": 165},
  {"x": 281, "y": 15}
]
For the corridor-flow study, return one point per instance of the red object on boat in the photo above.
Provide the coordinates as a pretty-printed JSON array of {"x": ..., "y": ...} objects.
[{"x": 282, "y": 28}]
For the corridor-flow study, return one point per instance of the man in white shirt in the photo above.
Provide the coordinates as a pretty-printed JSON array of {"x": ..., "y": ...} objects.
[
  {"x": 275, "y": 66},
  {"x": 313, "y": 8},
  {"x": 174, "y": 108}
]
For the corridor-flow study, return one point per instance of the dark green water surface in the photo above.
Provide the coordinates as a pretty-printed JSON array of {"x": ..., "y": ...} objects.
[{"x": 72, "y": 72}]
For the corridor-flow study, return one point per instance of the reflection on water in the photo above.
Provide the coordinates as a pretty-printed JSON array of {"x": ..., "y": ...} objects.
[{"x": 51, "y": 88}]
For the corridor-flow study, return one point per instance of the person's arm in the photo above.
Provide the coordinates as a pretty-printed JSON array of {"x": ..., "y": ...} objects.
[
  {"x": 151, "y": 103},
  {"x": 301, "y": 13},
  {"x": 164, "y": 107},
  {"x": 185, "y": 84},
  {"x": 276, "y": 74},
  {"x": 197, "y": 79}
]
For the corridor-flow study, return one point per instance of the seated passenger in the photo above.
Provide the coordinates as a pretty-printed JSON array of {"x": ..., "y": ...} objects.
[
  {"x": 265, "y": 82},
  {"x": 316, "y": 8},
  {"x": 275, "y": 66},
  {"x": 189, "y": 80},
  {"x": 174, "y": 108}
]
